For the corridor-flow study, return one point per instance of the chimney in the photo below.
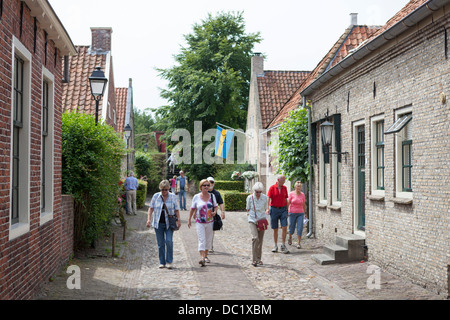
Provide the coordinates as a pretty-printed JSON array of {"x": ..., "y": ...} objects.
[
  {"x": 258, "y": 64},
  {"x": 353, "y": 19},
  {"x": 101, "y": 40}
]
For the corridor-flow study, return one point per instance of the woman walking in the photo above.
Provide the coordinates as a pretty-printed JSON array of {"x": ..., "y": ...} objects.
[
  {"x": 297, "y": 212},
  {"x": 162, "y": 205},
  {"x": 257, "y": 207},
  {"x": 204, "y": 206}
]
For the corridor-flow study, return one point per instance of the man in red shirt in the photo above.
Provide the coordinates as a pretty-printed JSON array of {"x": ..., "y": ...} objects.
[{"x": 278, "y": 194}]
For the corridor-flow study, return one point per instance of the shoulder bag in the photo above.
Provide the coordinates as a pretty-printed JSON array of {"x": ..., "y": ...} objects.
[
  {"x": 172, "y": 218},
  {"x": 261, "y": 224},
  {"x": 218, "y": 224}
]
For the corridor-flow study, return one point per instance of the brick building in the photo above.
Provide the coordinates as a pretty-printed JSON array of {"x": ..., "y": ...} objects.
[
  {"x": 388, "y": 178},
  {"x": 35, "y": 219}
]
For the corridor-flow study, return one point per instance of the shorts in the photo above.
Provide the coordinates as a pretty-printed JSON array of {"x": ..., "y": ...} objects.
[{"x": 278, "y": 214}]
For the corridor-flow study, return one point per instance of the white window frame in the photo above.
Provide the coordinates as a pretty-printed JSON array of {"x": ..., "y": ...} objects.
[
  {"x": 23, "y": 226},
  {"x": 335, "y": 164},
  {"x": 374, "y": 164},
  {"x": 323, "y": 174},
  {"x": 47, "y": 214},
  {"x": 398, "y": 155}
]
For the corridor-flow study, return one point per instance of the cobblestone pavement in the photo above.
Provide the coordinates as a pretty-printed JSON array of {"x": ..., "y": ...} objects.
[{"x": 134, "y": 273}]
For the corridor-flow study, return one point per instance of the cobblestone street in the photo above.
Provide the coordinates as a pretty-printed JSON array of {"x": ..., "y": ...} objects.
[{"x": 134, "y": 274}]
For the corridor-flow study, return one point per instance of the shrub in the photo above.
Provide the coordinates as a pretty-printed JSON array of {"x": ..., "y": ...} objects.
[
  {"x": 233, "y": 200},
  {"x": 151, "y": 165},
  {"x": 141, "y": 194},
  {"x": 91, "y": 162},
  {"x": 230, "y": 185}
]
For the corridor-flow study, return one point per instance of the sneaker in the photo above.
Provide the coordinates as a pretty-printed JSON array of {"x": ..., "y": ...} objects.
[
  {"x": 169, "y": 266},
  {"x": 275, "y": 249},
  {"x": 299, "y": 246},
  {"x": 202, "y": 262},
  {"x": 161, "y": 266},
  {"x": 284, "y": 249}
]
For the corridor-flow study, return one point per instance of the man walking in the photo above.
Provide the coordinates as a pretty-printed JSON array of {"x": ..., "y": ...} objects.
[
  {"x": 182, "y": 186},
  {"x": 278, "y": 194},
  {"x": 219, "y": 203},
  {"x": 131, "y": 185}
]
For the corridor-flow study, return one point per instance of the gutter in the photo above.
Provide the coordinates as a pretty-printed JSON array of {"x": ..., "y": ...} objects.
[
  {"x": 406, "y": 23},
  {"x": 310, "y": 200}
]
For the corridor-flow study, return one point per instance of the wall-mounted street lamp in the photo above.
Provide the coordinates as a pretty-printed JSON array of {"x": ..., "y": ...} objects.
[
  {"x": 98, "y": 83},
  {"x": 327, "y": 135},
  {"x": 127, "y": 131}
]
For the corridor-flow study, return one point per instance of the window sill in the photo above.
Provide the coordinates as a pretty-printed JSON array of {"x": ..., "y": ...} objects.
[
  {"x": 375, "y": 198},
  {"x": 404, "y": 201},
  {"x": 335, "y": 208},
  {"x": 322, "y": 205}
]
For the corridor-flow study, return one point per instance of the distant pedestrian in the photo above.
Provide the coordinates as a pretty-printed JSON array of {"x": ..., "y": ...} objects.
[
  {"x": 204, "y": 206},
  {"x": 278, "y": 195},
  {"x": 297, "y": 212},
  {"x": 173, "y": 184},
  {"x": 182, "y": 187},
  {"x": 219, "y": 203},
  {"x": 131, "y": 185},
  {"x": 162, "y": 205},
  {"x": 257, "y": 205}
]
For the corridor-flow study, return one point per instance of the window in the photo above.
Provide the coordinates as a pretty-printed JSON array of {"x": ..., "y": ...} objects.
[
  {"x": 20, "y": 141},
  {"x": 403, "y": 129},
  {"x": 337, "y": 161},
  {"x": 379, "y": 145},
  {"x": 47, "y": 148},
  {"x": 324, "y": 166}
]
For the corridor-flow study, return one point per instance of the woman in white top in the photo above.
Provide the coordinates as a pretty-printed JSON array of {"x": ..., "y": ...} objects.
[
  {"x": 257, "y": 206},
  {"x": 204, "y": 206}
]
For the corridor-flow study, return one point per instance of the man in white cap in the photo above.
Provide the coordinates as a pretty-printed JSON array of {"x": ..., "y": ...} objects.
[{"x": 219, "y": 202}]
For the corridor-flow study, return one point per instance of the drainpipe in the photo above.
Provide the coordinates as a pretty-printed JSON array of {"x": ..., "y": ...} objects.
[{"x": 310, "y": 201}]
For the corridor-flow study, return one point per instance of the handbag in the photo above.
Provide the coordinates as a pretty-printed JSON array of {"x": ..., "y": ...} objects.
[
  {"x": 218, "y": 224},
  {"x": 172, "y": 218},
  {"x": 261, "y": 224}
]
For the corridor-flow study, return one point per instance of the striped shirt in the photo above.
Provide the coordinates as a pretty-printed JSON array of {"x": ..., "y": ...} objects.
[{"x": 157, "y": 204}]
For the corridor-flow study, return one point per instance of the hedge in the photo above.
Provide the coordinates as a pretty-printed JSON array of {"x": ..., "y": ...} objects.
[
  {"x": 233, "y": 200},
  {"x": 229, "y": 185}
]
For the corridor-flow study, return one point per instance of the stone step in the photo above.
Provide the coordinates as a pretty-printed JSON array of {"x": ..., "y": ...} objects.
[
  {"x": 354, "y": 244},
  {"x": 323, "y": 259},
  {"x": 336, "y": 252}
]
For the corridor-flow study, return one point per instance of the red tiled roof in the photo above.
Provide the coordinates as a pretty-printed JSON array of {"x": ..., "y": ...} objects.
[
  {"x": 77, "y": 93},
  {"x": 275, "y": 89},
  {"x": 350, "y": 39},
  {"x": 121, "y": 106}
]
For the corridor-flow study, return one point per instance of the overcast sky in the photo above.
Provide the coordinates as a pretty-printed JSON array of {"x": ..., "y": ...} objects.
[{"x": 146, "y": 34}]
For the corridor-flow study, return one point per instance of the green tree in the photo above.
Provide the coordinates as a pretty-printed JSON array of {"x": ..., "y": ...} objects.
[
  {"x": 210, "y": 82},
  {"x": 91, "y": 162},
  {"x": 144, "y": 123},
  {"x": 293, "y": 139}
]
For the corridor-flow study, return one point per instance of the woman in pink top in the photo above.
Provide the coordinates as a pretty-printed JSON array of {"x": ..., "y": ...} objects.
[{"x": 297, "y": 212}]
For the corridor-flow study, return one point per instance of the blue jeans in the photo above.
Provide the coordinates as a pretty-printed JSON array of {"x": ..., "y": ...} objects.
[
  {"x": 296, "y": 218},
  {"x": 182, "y": 196},
  {"x": 164, "y": 238}
]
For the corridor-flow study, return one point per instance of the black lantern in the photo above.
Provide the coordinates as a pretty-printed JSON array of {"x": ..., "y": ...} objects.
[
  {"x": 146, "y": 148},
  {"x": 98, "y": 83},
  {"x": 327, "y": 133},
  {"x": 127, "y": 133}
]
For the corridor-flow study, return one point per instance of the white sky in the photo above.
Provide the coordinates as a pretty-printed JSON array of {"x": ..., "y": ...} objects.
[{"x": 146, "y": 34}]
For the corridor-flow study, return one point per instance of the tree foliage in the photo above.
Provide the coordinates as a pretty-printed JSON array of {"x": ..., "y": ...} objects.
[
  {"x": 210, "y": 81},
  {"x": 293, "y": 146},
  {"x": 91, "y": 165}
]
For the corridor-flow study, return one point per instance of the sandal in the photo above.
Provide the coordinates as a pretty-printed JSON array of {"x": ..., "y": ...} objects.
[
  {"x": 290, "y": 241},
  {"x": 202, "y": 262},
  {"x": 260, "y": 263},
  {"x": 207, "y": 260},
  {"x": 254, "y": 263}
]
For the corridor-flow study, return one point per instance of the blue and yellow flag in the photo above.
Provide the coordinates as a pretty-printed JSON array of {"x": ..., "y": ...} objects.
[{"x": 224, "y": 140}]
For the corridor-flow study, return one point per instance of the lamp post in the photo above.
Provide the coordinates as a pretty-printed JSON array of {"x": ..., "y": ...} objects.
[
  {"x": 127, "y": 132},
  {"x": 98, "y": 82}
]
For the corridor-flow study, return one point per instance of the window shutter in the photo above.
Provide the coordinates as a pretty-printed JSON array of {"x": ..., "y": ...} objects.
[
  {"x": 337, "y": 133},
  {"x": 314, "y": 141}
]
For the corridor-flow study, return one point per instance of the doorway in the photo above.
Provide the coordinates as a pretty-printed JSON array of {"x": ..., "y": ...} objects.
[{"x": 360, "y": 179}]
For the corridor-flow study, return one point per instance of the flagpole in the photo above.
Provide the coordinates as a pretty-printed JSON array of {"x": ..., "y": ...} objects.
[{"x": 235, "y": 130}]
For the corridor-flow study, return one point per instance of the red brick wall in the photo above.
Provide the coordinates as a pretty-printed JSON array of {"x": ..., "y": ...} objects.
[{"x": 28, "y": 261}]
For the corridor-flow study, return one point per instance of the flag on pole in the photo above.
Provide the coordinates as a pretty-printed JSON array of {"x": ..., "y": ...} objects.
[{"x": 224, "y": 140}]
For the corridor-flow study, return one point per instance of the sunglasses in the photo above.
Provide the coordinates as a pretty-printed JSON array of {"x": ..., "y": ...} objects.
[
  {"x": 206, "y": 185},
  {"x": 258, "y": 191},
  {"x": 164, "y": 189}
]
